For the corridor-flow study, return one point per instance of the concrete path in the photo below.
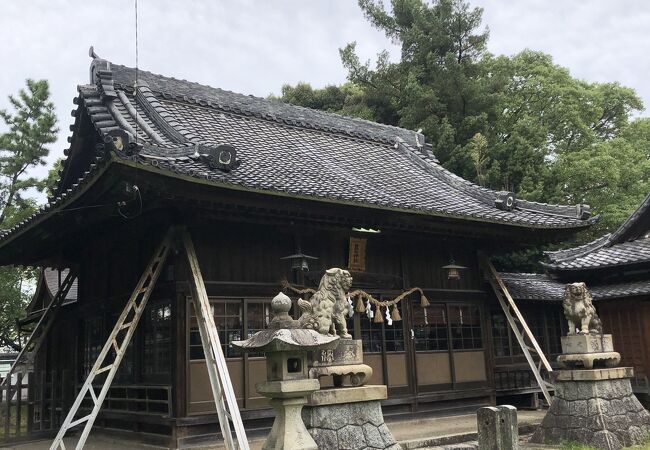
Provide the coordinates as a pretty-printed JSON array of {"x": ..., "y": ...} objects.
[{"x": 411, "y": 434}]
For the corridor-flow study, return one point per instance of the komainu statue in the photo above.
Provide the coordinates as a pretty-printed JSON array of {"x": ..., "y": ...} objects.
[
  {"x": 326, "y": 311},
  {"x": 579, "y": 310}
]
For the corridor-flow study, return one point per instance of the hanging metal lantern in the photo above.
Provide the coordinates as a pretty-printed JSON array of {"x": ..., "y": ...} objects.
[
  {"x": 453, "y": 270},
  {"x": 299, "y": 261}
]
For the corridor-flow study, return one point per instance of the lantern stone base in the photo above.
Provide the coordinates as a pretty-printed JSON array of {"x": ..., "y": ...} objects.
[
  {"x": 594, "y": 407},
  {"x": 288, "y": 398},
  {"x": 348, "y": 418}
]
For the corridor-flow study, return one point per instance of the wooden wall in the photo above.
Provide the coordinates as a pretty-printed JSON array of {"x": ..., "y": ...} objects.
[
  {"x": 242, "y": 263},
  {"x": 628, "y": 321}
]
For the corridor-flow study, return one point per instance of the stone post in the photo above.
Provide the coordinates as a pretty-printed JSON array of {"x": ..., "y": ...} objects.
[
  {"x": 508, "y": 428},
  {"x": 488, "y": 430},
  {"x": 497, "y": 428}
]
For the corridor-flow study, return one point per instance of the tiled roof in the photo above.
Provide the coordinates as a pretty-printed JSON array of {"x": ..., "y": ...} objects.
[
  {"x": 533, "y": 286},
  {"x": 626, "y": 253},
  {"x": 284, "y": 149},
  {"x": 293, "y": 150},
  {"x": 629, "y": 244}
]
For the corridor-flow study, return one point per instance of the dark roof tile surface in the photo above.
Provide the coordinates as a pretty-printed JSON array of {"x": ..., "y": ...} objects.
[
  {"x": 629, "y": 244},
  {"x": 539, "y": 287}
]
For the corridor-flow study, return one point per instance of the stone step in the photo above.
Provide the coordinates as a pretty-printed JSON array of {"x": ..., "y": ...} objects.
[
  {"x": 472, "y": 445},
  {"x": 451, "y": 441}
]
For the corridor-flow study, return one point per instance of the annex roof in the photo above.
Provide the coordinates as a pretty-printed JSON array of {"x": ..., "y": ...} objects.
[
  {"x": 176, "y": 127},
  {"x": 540, "y": 287},
  {"x": 52, "y": 279},
  {"x": 628, "y": 245}
]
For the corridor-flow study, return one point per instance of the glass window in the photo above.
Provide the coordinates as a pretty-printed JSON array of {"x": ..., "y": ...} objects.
[
  {"x": 465, "y": 324},
  {"x": 535, "y": 323},
  {"x": 394, "y": 333},
  {"x": 500, "y": 335},
  {"x": 93, "y": 342},
  {"x": 370, "y": 335},
  {"x": 430, "y": 328},
  {"x": 229, "y": 322},
  {"x": 157, "y": 340},
  {"x": 259, "y": 317},
  {"x": 546, "y": 326}
]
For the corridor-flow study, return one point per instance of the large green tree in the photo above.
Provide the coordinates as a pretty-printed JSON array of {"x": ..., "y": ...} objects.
[
  {"x": 29, "y": 128},
  {"x": 521, "y": 123},
  {"x": 542, "y": 113},
  {"x": 437, "y": 85},
  {"x": 612, "y": 175},
  {"x": 347, "y": 99}
]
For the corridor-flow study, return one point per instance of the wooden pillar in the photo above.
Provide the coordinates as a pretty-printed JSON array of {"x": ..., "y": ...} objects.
[
  {"x": 19, "y": 401},
  {"x": 8, "y": 394},
  {"x": 181, "y": 358},
  {"x": 53, "y": 384},
  {"x": 31, "y": 379}
]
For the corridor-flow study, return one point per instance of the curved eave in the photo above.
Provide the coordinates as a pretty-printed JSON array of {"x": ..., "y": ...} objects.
[
  {"x": 60, "y": 204},
  {"x": 420, "y": 212}
]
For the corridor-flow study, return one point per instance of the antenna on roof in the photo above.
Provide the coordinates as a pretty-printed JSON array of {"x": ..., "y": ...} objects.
[{"x": 135, "y": 84}]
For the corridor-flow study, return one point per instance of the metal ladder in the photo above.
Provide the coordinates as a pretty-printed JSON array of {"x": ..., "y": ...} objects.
[
  {"x": 42, "y": 326},
  {"x": 118, "y": 341},
  {"x": 222, "y": 390},
  {"x": 519, "y": 327}
]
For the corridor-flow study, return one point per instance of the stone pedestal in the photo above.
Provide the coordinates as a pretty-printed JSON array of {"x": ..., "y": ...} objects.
[
  {"x": 588, "y": 351},
  {"x": 594, "y": 407},
  {"x": 344, "y": 363},
  {"x": 348, "y": 418}
]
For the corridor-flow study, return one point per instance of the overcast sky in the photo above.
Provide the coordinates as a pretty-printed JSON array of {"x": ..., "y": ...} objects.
[{"x": 254, "y": 47}]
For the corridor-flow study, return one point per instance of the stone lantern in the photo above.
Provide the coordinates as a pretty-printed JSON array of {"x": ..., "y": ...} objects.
[{"x": 288, "y": 384}]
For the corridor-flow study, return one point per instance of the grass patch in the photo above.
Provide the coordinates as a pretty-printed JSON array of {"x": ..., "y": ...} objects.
[
  {"x": 645, "y": 445},
  {"x": 576, "y": 446}
]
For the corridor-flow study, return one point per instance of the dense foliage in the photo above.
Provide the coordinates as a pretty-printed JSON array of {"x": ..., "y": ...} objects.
[
  {"x": 520, "y": 123},
  {"x": 30, "y": 127}
]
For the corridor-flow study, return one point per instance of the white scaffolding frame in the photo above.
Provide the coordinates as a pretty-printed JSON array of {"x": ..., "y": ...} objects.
[
  {"x": 118, "y": 341},
  {"x": 514, "y": 317}
]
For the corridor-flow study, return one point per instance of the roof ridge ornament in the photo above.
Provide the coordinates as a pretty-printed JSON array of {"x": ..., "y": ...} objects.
[
  {"x": 222, "y": 157},
  {"x": 121, "y": 141},
  {"x": 505, "y": 200},
  {"x": 101, "y": 75}
]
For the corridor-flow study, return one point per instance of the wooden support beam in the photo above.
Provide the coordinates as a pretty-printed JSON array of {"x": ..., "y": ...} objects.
[{"x": 222, "y": 390}]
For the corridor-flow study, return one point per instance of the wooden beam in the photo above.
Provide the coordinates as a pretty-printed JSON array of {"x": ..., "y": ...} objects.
[{"x": 216, "y": 362}]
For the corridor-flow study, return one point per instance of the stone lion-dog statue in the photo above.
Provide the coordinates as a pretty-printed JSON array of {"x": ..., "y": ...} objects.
[
  {"x": 579, "y": 310},
  {"x": 326, "y": 311}
]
